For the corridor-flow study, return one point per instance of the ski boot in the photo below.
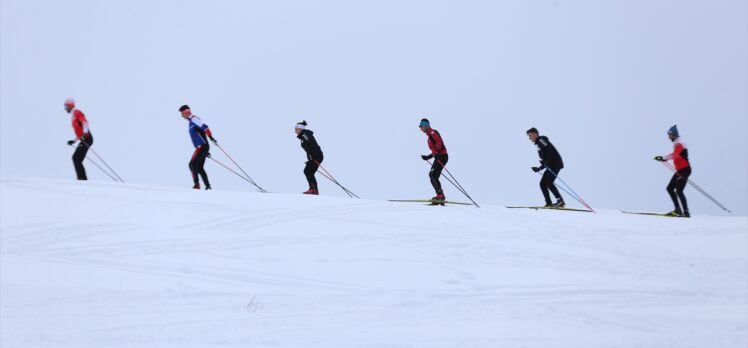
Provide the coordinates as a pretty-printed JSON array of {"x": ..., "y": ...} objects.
[
  {"x": 311, "y": 191},
  {"x": 207, "y": 187},
  {"x": 439, "y": 199},
  {"x": 196, "y": 187},
  {"x": 685, "y": 214},
  {"x": 675, "y": 213},
  {"x": 559, "y": 203}
]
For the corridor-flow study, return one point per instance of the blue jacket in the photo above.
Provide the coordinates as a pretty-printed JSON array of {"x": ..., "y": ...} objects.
[{"x": 198, "y": 131}]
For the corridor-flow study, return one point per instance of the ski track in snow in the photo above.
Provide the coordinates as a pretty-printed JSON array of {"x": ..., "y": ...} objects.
[{"x": 96, "y": 264}]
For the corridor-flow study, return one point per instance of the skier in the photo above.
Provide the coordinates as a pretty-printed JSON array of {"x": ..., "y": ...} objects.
[
  {"x": 549, "y": 159},
  {"x": 82, "y": 134},
  {"x": 199, "y": 133},
  {"x": 683, "y": 171},
  {"x": 440, "y": 156},
  {"x": 314, "y": 156}
]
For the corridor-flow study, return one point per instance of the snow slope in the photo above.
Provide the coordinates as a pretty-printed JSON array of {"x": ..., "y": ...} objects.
[{"x": 90, "y": 264}]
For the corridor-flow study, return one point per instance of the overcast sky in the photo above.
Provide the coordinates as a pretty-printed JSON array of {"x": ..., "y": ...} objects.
[{"x": 604, "y": 80}]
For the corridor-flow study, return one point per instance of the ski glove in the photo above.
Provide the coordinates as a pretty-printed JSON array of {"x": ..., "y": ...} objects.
[
  {"x": 71, "y": 142},
  {"x": 425, "y": 157},
  {"x": 536, "y": 169},
  {"x": 213, "y": 140},
  {"x": 659, "y": 158}
]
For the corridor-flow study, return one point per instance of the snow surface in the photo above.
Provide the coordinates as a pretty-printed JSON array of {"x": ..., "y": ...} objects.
[{"x": 92, "y": 264}]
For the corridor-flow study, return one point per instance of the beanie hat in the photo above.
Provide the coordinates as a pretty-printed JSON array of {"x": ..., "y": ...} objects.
[
  {"x": 301, "y": 125},
  {"x": 183, "y": 107},
  {"x": 533, "y": 130},
  {"x": 70, "y": 102},
  {"x": 673, "y": 131},
  {"x": 425, "y": 123}
]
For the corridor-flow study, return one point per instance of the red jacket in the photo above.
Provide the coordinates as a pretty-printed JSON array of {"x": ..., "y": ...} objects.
[
  {"x": 436, "y": 144},
  {"x": 80, "y": 124},
  {"x": 679, "y": 155}
]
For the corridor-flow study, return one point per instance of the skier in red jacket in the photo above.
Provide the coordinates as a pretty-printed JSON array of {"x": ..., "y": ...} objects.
[
  {"x": 683, "y": 171},
  {"x": 440, "y": 156},
  {"x": 82, "y": 136}
]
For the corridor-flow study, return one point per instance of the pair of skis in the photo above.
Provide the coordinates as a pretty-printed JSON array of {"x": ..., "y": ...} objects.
[
  {"x": 651, "y": 214},
  {"x": 428, "y": 202},
  {"x": 552, "y": 208},
  {"x": 590, "y": 211}
]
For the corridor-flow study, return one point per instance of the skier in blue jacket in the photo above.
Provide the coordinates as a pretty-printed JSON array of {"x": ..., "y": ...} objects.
[{"x": 199, "y": 133}]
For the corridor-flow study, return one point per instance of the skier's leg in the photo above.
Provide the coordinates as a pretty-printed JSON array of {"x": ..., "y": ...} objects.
[
  {"x": 78, "y": 156},
  {"x": 192, "y": 171},
  {"x": 193, "y": 168},
  {"x": 681, "y": 185},
  {"x": 200, "y": 166},
  {"x": 552, "y": 186},
  {"x": 309, "y": 170},
  {"x": 671, "y": 191},
  {"x": 547, "y": 177},
  {"x": 434, "y": 175}
]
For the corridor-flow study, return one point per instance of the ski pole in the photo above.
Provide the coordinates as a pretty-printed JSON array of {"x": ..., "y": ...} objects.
[
  {"x": 332, "y": 178},
  {"x": 231, "y": 170},
  {"x": 702, "y": 191},
  {"x": 102, "y": 169},
  {"x": 240, "y": 168},
  {"x": 458, "y": 183},
  {"x": 455, "y": 183},
  {"x": 572, "y": 195},
  {"x": 333, "y": 181},
  {"x": 575, "y": 195},
  {"x": 450, "y": 181},
  {"x": 103, "y": 161}
]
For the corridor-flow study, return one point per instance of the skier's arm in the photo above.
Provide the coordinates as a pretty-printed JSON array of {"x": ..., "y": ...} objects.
[
  {"x": 209, "y": 134},
  {"x": 81, "y": 118},
  {"x": 545, "y": 153},
  {"x": 307, "y": 143},
  {"x": 439, "y": 143},
  {"x": 676, "y": 153}
]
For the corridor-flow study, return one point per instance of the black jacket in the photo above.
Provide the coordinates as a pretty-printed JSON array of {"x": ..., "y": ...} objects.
[
  {"x": 549, "y": 156},
  {"x": 309, "y": 144}
]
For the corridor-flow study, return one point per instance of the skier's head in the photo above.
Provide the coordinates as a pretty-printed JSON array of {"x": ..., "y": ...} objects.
[
  {"x": 300, "y": 127},
  {"x": 533, "y": 134},
  {"x": 69, "y": 104},
  {"x": 425, "y": 125},
  {"x": 672, "y": 133},
  {"x": 185, "y": 110}
]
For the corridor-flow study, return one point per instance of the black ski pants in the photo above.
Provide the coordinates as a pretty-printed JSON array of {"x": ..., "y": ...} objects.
[
  {"x": 79, "y": 155},
  {"x": 676, "y": 186},
  {"x": 310, "y": 169},
  {"x": 436, "y": 172},
  {"x": 547, "y": 183},
  {"x": 197, "y": 165}
]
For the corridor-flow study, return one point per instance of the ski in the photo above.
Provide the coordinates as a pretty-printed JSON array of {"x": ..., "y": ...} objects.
[
  {"x": 425, "y": 201},
  {"x": 649, "y": 214},
  {"x": 551, "y": 208}
]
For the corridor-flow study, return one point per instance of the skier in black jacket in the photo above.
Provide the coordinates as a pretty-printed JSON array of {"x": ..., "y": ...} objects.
[
  {"x": 549, "y": 159},
  {"x": 313, "y": 154}
]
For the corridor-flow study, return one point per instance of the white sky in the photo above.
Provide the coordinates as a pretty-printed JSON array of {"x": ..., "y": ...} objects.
[{"x": 603, "y": 79}]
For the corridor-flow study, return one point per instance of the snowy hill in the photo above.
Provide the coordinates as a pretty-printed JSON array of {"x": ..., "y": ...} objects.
[{"x": 89, "y": 264}]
